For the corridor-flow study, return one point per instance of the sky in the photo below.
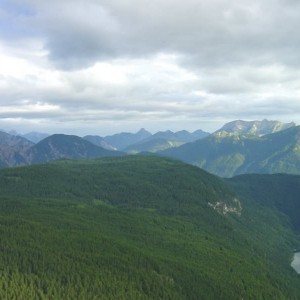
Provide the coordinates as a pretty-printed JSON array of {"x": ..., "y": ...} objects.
[{"x": 106, "y": 66}]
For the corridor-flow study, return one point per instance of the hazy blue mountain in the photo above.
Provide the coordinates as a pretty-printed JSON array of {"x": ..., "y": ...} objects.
[
  {"x": 61, "y": 146},
  {"x": 199, "y": 134},
  {"x": 152, "y": 145},
  {"x": 35, "y": 136},
  {"x": 122, "y": 140},
  {"x": 187, "y": 136},
  {"x": 180, "y": 136},
  {"x": 99, "y": 141},
  {"x": 11, "y": 132},
  {"x": 32, "y": 136},
  {"x": 229, "y": 154},
  {"x": 255, "y": 127},
  {"x": 13, "y": 150},
  {"x": 164, "y": 140}
]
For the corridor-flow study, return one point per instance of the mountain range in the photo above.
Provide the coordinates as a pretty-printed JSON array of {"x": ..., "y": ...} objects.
[
  {"x": 228, "y": 153},
  {"x": 122, "y": 140},
  {"x": 85, "y": 222},
  {"x": 238, "y": 147},
  {"x": 164, "y": 140},
  {"x": 16, "y": 150}
]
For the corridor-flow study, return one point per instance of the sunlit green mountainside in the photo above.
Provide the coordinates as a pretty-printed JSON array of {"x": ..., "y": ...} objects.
[
  {"x": 229, "y": 154},
  {"x": 163, "y": 140},
  {"x": 138, "y": 228}
]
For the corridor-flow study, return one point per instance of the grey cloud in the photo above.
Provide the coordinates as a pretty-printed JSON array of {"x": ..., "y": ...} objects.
[
  {"x": 207, "y": 33},
  {"x": 243, "y": 58}
]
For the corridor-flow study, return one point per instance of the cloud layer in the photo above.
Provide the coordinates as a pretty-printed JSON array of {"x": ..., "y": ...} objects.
[{"x": 113, "y": 64}]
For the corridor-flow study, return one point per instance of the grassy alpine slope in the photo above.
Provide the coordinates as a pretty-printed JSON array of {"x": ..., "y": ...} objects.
[
  {"x": 137, "y": 228},
  {"x": 227, "y": 155}
]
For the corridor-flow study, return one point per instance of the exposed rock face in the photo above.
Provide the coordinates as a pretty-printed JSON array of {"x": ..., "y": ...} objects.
[
  {"x": 259, "y": 128},
  {"x": 13, "y": 150},
  {"x": 223, "y": 208}
]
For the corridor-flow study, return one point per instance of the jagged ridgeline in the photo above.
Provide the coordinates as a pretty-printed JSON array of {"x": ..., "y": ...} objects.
[{"x": 137, "y": 228}]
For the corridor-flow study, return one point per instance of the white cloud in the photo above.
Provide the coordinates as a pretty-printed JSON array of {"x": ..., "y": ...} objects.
[{"x": 157, "y": 63}]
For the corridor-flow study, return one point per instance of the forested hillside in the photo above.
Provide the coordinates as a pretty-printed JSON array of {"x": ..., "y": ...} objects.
[
  {"x": 278, "y": 190},
  {"x": 138, "y": 228}
]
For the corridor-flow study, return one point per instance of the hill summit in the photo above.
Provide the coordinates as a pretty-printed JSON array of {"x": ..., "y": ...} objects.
[{"x": 259, "y": 128}]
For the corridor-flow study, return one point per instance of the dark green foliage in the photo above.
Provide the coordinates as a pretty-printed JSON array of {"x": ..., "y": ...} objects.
[
  {"x": 280, "y": 191},
  {"x": 133, "y": 182},
  {"x": 136, "y": 228}
]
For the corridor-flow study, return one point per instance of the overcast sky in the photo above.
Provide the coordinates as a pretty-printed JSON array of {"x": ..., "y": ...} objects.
[{"x": 105, "y": 66}]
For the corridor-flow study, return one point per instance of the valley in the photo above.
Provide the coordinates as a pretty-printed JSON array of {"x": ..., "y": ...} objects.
[{"x": 239, "y": 147}]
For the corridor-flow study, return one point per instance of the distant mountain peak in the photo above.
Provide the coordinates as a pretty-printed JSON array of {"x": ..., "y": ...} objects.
[
  {"x": 13, "y": 149},
  {"x": 259, "y": 128},
  {"x": 226, "y": 153},
  {"x": 143, "y": 131},
  {"x": 124, "y": 139},
  {"x": 62, "y": 146},
  {"x": 35, "y": 136},
  {"x": 99, "y": 141}
]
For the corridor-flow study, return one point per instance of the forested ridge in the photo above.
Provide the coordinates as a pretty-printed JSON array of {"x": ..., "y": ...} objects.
[{"x": 137, "y": 228}]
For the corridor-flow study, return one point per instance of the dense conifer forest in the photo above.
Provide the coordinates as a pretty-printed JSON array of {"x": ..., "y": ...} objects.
[{"x": 139, "y": 228}]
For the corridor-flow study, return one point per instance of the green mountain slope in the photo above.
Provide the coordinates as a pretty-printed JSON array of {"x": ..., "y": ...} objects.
[
  {"x": 279, "y": 190},
  {"x": 228, "y": 154},
  {"x": 138, "y": 228}
]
